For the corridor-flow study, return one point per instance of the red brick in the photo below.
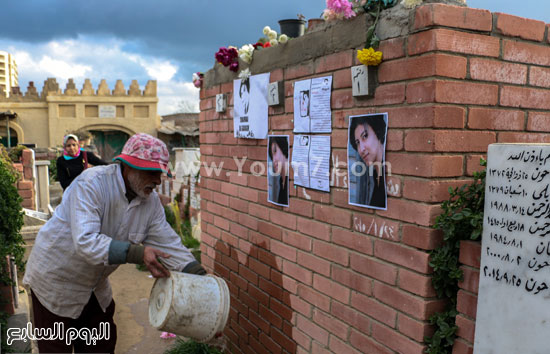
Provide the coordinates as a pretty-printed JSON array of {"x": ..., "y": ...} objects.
[
  {"x": 270, "y": 344},
  {"x": 332, "y": 215},
  {"x": 375, "y": 226},
  {"x": 366, "y": 344},
  {"x": 338, "y": 346},
  {"x": 415, "y": 283},
  {"x": 287, "y": 343},
  {"x": 452, "y": 16},
  {"x": 314, "y": 263},
  {"x": 420, "y": 140},
  {"x": 374, "y": 309},
  {"x": 494, "y": 70},
  {"x": 426, "y": 116},
  {"x": 26, "y": 193},
  {"x": 410, "y": 211},
  {"x": 392, "y": 48},
  {"x": 526, "y": 53},
  {"x": 331, "y": 324},
  {"x": 508, "y": 137},
  {"x": 294, "y": 72},
  {"x": 539, "y": 76},
  {"x": 300, "y": 306},
  {"x": 341, "y": 79},
  {"x": 466, "y": 303},
  {"x": 283, "y": 250},
  {"x": 384, "y": 95},
  {"x": 466, "y": 328},
  {"x": 465, "y": 93},
  {"x": 402, "y": 255},
  {"x": 425, "y": 190},
  {"x": 313, "y": 228},
  {"x": 426, "y": 165},
  {"x": 373, "y": 268},
  {"x": 351, "y": 316},
  {"x": 461, "y": 347},
  {"x": 334, "y": 62},
  {"x": 331, "y": 288},
  {"x": 538, "y": 121},
  {"x": 394, "y": 140},
  {"x": 399, "y": 343},
  {"x": 422, "y": 66},
  {"x": 514, "y": 26},
  {"x": 311, "y": 329},
  {"x": 301, "y": 338},
  {"x": 415, "y": 306},
  {"x": 495, "y": 119},
  {"x": 351, "y": 279},
  {"x": 414, "y": 329},
  {"x": 463, "y": 141},
  {"x": 269, "y": 229},
  {"x": 473, "y": 164},
  {"x": 24, "y": 185},
  {"x": 248, "y": 194},
  {"x": 470, "y": 282},
  {"x": 259, "y": 212},
  {"x": 297, "y": 240},
  {"x": 352, "y": 241},
  {"x": 276, "y": 75},
  {"x": 341, "y": 99},
  {"x": 453, "y": 41},
  {"x": 314, "y": 297},
  {"x": 331, "y": 252},
  {"x": 297, "y": 272},
  {"x": 249, "y": 222},
  {"x": 470, "y": 253},
  {"x": 301, "y": 207},
  {"x": 282, "y": 218}
]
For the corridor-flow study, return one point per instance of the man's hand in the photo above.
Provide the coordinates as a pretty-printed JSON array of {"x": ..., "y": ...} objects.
[{"x": 156, "y": 268}]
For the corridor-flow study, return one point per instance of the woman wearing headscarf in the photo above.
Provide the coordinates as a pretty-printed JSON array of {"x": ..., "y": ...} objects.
[{"x": 74, "y": 160}]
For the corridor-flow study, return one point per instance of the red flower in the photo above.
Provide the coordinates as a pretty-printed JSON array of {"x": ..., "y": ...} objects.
[
  {"x": 258, "y": 45},
  {"x": 267, "y": 45}
]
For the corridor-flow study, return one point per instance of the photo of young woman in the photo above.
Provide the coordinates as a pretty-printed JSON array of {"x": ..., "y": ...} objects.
[
  {"x": 277, "y": 171},
  {"x": 366, "y": 160}
]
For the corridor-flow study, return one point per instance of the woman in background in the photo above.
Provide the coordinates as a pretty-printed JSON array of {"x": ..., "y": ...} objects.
[{"x": 74, "y": 160}]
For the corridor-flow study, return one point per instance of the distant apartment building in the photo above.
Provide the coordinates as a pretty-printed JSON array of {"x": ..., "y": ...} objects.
[{"x": 8, "y": 73}]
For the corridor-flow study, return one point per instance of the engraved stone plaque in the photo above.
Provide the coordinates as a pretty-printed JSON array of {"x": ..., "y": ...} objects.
[
  {"x": 362, "y": 78},
  {"x": 513, "y": 309},
  {"x": 275, "y": 93},
  {"x": 107, "y": 111}
]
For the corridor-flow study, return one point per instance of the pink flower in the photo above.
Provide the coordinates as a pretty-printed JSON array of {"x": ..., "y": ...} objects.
[{"x": 342, "y": 7}]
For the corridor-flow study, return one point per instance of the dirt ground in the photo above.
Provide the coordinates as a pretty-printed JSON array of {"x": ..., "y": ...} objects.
[{"x": 131, "y": 290}]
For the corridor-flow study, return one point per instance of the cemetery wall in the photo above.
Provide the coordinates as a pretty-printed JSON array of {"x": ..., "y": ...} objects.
[{"x": 322, "y": 275}]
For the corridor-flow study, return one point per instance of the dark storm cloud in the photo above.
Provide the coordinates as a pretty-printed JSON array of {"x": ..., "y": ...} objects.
[{"x": 184, "y": 31}]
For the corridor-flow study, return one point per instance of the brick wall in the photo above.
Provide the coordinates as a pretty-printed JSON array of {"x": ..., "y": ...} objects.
[
  {"x": 323, "y": 276},
  {"x": 25, "y": 186}
]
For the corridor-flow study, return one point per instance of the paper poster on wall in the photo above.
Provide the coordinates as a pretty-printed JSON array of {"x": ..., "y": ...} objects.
[
  {"x": 366, "y": 160},
  {"x": 312, "y": 112},
  {"x": 250, "y": 107},
  {"x": 277, "y": 169},
  {"x": 311, "y": 161}
]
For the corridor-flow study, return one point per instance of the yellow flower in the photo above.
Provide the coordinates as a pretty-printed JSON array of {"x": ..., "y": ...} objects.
[{"x": 369, "y": 56}]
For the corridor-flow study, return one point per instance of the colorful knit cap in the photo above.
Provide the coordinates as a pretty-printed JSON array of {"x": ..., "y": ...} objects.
[{"x": 145, "y": 152}]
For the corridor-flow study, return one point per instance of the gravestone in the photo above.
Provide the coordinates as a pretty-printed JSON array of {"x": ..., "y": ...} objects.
[{"x": 513, "y": 309}]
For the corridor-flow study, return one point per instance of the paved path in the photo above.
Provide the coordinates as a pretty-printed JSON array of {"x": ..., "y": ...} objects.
[{"x": 131, "y": 290}]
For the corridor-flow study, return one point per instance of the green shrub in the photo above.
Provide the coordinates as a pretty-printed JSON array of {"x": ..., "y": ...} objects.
[
  {"x": 16, "y": 152},
  {"x": 11, "y": 222}
]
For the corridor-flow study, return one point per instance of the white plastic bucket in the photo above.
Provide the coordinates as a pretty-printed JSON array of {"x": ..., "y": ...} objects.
[{"x": 193, "y": 306}]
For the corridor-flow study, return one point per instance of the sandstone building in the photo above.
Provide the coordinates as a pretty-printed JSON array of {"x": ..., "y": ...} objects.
[{"x": 8, "y": 73}]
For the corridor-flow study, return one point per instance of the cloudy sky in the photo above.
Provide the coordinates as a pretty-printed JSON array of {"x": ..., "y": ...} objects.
[{"x": 165, "y": 40}]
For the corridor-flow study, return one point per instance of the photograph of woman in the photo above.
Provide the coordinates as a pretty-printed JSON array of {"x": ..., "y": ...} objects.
[
  {"x": 277, "y": 171},
  {"x": 366, "y": 160}
]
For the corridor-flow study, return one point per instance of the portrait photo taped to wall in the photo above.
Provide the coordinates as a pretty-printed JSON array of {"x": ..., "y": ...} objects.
[
  {"x": 366, "y": 160},
  {"x": 278, "y": 169}
]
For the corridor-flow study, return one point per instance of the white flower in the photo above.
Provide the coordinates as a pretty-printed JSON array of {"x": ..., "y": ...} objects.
[
  {"x": 246, "y": 52},
  {"x": 244, "y": 74},
  {"x": 195, "y": 77},
  {"x": 283, "y": 38},
  {"x": 266, "y": 30},
  {"x": 272, "y": 34},
  {"x": 273, "y": 42},
  {"x": 409, "y": 4}
]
